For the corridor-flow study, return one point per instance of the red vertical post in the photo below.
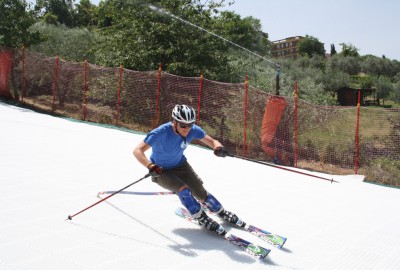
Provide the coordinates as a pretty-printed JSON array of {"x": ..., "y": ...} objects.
[
  {"x": 246, "y": 93},
  {"x": 199, "y": 98},
  {"x": 295, "y": 120},
  {"x": 157, "y": 116},
  {"x": 84, "y": 89},
  {"x": 357, "y": 134},
  {"x": 55, "y": 83},
  {"x": 119, "y": 92},
  {"x": 23, "y": 75}
]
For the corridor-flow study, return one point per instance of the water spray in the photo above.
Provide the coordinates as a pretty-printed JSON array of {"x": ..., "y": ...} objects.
[{"x": 160, "y": 10}]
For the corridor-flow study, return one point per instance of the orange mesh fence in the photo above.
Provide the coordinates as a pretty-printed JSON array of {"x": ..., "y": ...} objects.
[
  {"x": 247, "y": 120},
  {"x": 5, "y": 69}
]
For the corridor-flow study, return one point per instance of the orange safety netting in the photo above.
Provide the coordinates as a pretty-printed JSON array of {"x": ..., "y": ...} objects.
[
  {"x": 284, "y": 130},
  {"x": 5, "y": 70}
]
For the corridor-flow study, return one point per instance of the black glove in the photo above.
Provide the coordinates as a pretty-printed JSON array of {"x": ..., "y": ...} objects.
[
  {"x": 155, "y": 170},
  {"x": 220, "y": 151}
]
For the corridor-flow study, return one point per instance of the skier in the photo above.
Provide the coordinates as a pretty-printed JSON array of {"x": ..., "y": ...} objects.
[{"x": 170, "y": 169}]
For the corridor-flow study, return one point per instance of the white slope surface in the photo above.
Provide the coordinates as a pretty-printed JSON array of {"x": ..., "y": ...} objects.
[{"x": 51, "y": 168}]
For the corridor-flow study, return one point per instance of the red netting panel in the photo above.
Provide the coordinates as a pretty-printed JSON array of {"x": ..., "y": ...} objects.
[
  {"x": 39, "y": 75},
  {"x": 380, "y": 134},
  {"x": 37, "y": 72},
  {"x": 221, "y": 114},
  {"x": 101, "y": 93},
  {"x": 70, "y": 86},
  {"x": 6, "y": 57},
  {"x": 326, "y": 135},
  {"x": 138, "y": 99},
  {"x": 176, "y": 90},
  {"x": 15, "y": 73}
]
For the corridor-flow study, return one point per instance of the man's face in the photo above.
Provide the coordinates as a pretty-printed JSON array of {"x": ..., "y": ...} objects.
[{"x": 183, "y": 128}]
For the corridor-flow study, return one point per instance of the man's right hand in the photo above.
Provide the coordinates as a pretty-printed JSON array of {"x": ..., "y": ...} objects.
[
  {"x": 221, "y": 151},
  {"x": 155, "y": 170}
]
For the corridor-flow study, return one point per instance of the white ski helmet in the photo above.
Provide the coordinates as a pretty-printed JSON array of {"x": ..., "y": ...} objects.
[{"x": 184, "y": 114}]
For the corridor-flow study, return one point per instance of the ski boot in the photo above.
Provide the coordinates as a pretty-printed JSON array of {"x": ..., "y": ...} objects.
[
  {"x": 231, "y": 218},
  {"x": 215, "y": 206},
  {"x": 210, "y": 224}
]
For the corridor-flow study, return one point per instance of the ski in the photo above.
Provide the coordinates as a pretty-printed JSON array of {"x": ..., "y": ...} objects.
[
  {"x": 250, "y": 248},
  {"x": 271, "y": 238}
]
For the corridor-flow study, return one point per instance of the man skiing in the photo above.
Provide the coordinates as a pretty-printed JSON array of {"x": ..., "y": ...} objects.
[{"x": 170, "y": 169}]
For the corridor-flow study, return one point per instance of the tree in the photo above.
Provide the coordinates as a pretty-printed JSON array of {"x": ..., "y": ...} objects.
[
  {"x": 15, "y": 20},
  {"x": 333, "y": 50},
  {"x": 349, "y": 49},
  {"x": 72, "y": 44},
  {"x": 395, "y": 95},
  {"x": 384, "y": 87},
  {"x": 311, "y": 46},
  {"x": 378, "y": 66},
  {"x": 50, "y": 18},
  {"x": 318, "y": 62},
  {"x": 350, "y": 65},
  {"x": 175, "y": 33},
  {"x": 334, "y": 80},
  {"x": 63, "y": 9},
  {"x": 86, "y": 14},
  {"x": 244, "y": 32}
]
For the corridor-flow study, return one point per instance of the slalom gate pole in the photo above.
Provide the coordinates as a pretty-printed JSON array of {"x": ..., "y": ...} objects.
[
  {"x": 283, "y": 168},
  {"x": 109, "y": 196}
]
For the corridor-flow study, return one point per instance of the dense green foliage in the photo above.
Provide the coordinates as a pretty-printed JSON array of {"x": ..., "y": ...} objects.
[
  {"x": 15, "y": 20},
  {"x": 188, "y": 37},
  {"x": 311, "y": 46}
]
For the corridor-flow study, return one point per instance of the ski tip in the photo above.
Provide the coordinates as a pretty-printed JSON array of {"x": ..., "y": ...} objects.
[
  {"x": 181, "y": 212},
  {"x": 283, "y": 242},
  {"x": 256, "y": 251},
  {"x": 178, "y": 211}
]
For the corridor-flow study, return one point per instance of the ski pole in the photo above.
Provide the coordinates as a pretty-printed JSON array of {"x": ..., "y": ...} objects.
[
  {"x": 283, "y": 168},
  {"x": 138, "y": 192},
  {"x": 109, "y": 196}
]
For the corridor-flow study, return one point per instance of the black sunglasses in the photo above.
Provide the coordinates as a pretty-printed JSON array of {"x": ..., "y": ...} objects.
[{"x": 182, "y": 125}]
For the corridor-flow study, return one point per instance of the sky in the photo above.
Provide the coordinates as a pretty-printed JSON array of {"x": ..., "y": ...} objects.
[
  {"x": 53, "y": 167},
  {"x": 369, "y": 25}
]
